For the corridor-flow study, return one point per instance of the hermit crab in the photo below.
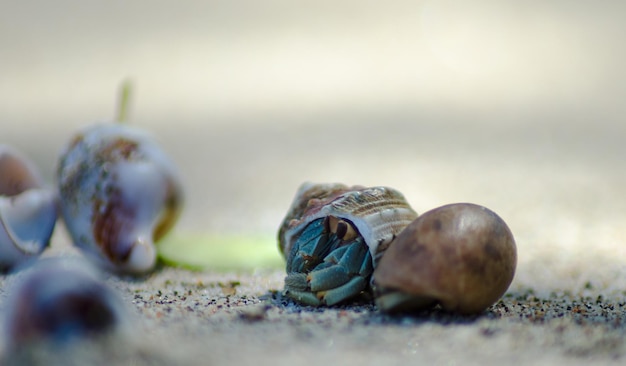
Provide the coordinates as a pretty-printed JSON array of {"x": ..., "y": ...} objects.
[
  {"x": 28, "y": 210},
  {"x": 119, "y": 194},
  {"x": 333, "y": 236},
  {"x": 59, "y": 300},
  {"x": 461, "y": 256}
]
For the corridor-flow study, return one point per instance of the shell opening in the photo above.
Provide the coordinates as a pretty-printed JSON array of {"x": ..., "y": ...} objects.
[{"x": 400, "y": 302}]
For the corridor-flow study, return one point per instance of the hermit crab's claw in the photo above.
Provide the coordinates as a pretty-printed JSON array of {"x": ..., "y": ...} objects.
[
  {"x": 119, "y": 194},
  {"x": 28, "y": 211},
  {"x": 332, "y": 237}
]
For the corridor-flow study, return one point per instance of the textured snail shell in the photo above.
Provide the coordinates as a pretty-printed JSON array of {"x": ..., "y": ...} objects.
[
  {"x": 461, "y": 256},
  {"x": 28, "y": 210},
  {"x": 378, "y": 213},
  {"x": 119, "y": 194},
  {"x": 60, "y": 300}
]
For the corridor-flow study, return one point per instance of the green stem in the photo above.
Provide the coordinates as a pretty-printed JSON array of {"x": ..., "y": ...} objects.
[{"x": 123, "y": 105}]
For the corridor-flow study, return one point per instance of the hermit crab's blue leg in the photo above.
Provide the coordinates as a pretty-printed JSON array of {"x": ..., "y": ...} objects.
[
  {"x": 304, "y": 297},
  {"x": 347, "y": 276},
  {"x": 351, "y": 288},
  {"x": 340, "y": 266},
  {"x": 335, "y": 276},
  {"x": 310, "y": 248}
]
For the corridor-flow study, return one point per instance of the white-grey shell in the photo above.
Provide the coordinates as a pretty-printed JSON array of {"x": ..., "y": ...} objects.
[
  {"x": 28, "y": 210},
  {"x": 119, "y": 193},
  {"x": 378, "y": 213}
]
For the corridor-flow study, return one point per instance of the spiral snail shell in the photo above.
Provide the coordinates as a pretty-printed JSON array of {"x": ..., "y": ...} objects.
[
  {"x": 333, "y": 236},
  {"x": 119, "y": 194}
]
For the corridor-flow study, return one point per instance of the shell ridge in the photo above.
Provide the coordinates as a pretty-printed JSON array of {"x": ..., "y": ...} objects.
[{"x": 378, "y": 213}]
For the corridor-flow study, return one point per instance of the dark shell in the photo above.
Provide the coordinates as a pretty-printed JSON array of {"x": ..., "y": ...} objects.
[
  {"x": 462, "y": 256},
  {"x": 59, "y": 300}
]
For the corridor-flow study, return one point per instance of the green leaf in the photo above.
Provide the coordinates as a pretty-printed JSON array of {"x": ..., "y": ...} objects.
[{"x": 225, "y": 252}]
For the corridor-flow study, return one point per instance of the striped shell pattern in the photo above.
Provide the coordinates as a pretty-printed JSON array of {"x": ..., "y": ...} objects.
[{"x": 378, "y": 213}]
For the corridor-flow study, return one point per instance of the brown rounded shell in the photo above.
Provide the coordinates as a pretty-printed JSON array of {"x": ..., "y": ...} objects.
[
  {"x": 378, "y": 213},
  {"x": 462, "y": 256},
  {"x": 19, "y": 174}
]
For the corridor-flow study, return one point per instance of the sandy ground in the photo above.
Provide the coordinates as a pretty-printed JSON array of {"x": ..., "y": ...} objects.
[
  {"x": 184, "y": 318},
  {"x": 252, "y": 99}
]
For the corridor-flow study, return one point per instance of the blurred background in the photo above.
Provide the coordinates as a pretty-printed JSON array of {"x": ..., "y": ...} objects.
[{"x": 514, "y": 105}]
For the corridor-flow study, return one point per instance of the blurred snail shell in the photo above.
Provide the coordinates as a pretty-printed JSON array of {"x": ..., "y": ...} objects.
[
  {"x": 28, "y": 210},
  {"x": 119, "y": 194},
  {"x": 461, "y": 256},
  {"x": 60, "y": 300}
]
